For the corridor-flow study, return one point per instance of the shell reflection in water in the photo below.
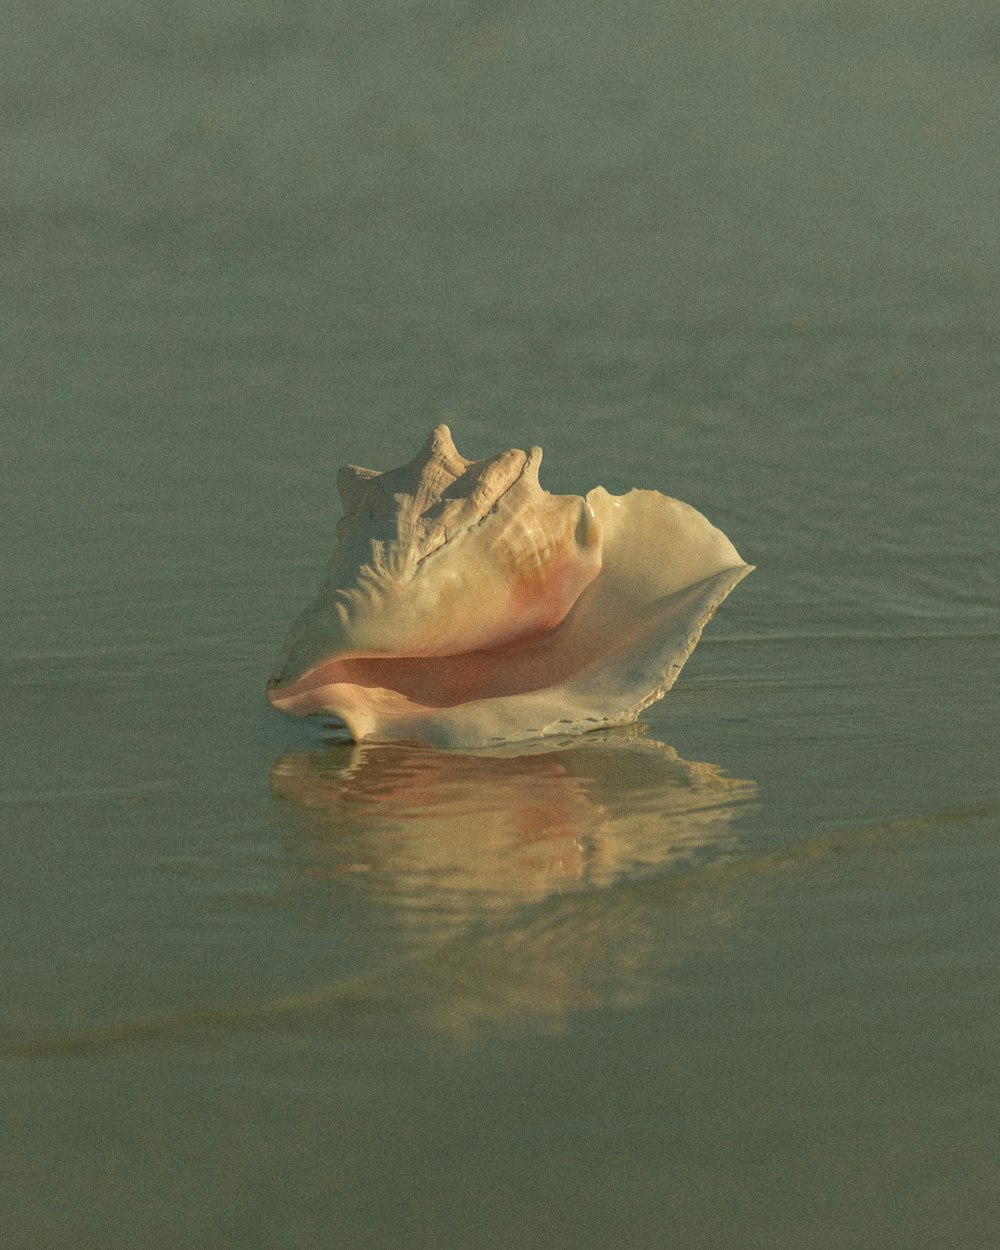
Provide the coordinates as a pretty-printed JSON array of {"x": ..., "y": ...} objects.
[
  {"x": 516, "y": 885},
  {"x": 465, "y": 606}
]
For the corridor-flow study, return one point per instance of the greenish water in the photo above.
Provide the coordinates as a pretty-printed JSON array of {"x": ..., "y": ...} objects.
[{"x": 729, "y": 981}]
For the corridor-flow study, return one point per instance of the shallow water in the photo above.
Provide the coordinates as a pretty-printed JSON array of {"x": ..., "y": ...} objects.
[{"x": 727, "y": 979}]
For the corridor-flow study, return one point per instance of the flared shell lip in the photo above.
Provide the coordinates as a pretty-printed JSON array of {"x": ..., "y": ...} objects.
[{"x": 306, "y": 689}]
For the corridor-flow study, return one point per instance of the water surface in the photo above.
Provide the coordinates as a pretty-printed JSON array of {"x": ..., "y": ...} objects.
[{"x": 724, "y": 981}]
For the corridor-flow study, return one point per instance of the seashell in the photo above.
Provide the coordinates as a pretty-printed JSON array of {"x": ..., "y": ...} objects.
[{"x": 465, "y": 606}]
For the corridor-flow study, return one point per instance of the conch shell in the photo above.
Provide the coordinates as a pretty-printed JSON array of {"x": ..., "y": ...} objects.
[{"x": 466, "y": 606}]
